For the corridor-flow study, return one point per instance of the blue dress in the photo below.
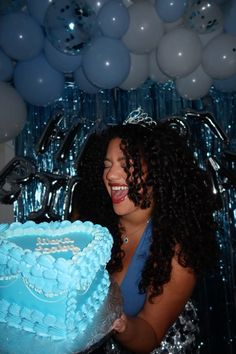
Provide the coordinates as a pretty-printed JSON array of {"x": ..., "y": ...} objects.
[
  {"x": 133, "y": 300},
  {"x": 182, "y": 335}
]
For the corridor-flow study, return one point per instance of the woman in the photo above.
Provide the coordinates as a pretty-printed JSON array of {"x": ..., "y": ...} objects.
[{"x": 158, "y": 205}]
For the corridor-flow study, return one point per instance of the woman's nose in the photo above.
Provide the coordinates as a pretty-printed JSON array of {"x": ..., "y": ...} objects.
[{"x": 113, "y": 173}]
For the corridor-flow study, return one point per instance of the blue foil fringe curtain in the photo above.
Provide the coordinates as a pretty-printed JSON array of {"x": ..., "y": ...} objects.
[{"x": 216, "y": 294}]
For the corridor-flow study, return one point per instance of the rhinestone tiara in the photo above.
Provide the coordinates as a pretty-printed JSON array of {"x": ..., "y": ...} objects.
[{"x": 138, "y": 116}]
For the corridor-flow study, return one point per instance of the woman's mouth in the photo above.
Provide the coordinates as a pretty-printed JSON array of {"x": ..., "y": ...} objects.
[{"x": 118, "y": 193}]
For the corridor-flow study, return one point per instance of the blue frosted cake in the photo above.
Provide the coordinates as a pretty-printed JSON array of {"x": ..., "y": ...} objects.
[{"x": 53, "y": 279}]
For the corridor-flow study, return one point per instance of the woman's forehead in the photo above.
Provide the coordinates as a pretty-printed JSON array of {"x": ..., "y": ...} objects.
[{"x": 114, "y": 147}]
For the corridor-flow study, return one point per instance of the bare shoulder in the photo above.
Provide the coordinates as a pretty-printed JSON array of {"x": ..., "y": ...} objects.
[{"x": 165, "y": 308}]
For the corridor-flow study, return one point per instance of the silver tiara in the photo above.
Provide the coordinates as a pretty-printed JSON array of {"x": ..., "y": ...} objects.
[{"x": 138, "y": 116}]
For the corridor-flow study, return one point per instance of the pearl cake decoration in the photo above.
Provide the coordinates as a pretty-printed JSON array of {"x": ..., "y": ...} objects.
[{"x": 53, "y": 277}]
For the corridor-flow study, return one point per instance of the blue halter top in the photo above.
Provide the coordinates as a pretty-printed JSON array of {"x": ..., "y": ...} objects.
[
  {"x": 133, "y": 300},
  {"x": 182, "y": 335}
]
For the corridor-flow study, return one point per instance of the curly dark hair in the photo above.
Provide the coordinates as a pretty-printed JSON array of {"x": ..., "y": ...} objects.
[{"x": 181, "y": 193}]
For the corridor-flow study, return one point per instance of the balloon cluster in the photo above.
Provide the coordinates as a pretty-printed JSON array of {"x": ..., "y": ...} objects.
[{"x": 113, "y": 44}]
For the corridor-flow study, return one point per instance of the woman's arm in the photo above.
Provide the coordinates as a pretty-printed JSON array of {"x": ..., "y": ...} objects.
[{"x": 145, "y": 332}]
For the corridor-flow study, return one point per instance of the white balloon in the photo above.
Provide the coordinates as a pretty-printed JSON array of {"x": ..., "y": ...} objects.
[
  {"x": 155, "y": 72},
  {"x": 179, "y": 52},
  {"x": 13, "y": 112},
  {"x": 145, "y": 29},
  {"x": 194, "y": 85},
  {"x": 219, "y": 56},
  {"x": 207, "y": 37},
  {"x": 138, "y": 73}
]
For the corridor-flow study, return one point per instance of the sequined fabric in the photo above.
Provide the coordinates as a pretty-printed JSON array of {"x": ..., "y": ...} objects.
[{"x": 182, "y": 337}]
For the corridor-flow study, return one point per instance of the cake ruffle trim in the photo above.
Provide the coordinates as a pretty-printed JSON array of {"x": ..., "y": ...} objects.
[
  {"x": 74, "y": 323},
  {"x": 45, "y": 274}
]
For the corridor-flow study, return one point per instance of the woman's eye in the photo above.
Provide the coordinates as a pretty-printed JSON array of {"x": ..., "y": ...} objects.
[{"x": 106, "y": 165}]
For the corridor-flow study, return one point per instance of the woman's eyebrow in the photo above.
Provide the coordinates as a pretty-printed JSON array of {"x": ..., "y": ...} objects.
[{"x": 119, "y": 159}]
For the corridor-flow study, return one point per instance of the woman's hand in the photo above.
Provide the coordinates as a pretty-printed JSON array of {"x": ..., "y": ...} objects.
[
  {"x": 120, "y": 324},
  {"x": 125, "y": 331}
]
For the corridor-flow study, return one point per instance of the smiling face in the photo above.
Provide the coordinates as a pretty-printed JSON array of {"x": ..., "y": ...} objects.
[{"x": 115, "y": 180}]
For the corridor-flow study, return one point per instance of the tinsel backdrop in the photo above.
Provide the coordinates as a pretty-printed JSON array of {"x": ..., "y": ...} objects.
[{"x": 51, "y": 120}]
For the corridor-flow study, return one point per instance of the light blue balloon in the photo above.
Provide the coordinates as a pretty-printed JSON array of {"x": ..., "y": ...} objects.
[
  {"x": 229, "y": 22},
  {"x": 113, "y": 19},
  {"x": 37, "y": 9},
  {"x": 170, "y": 10},
  {"x": 21, "y": 37},
  {"x": 8, "y": 6},
  {"x": 38, "y": 82},
  {"x": 83, "y": 83},
  {"x": 6, "y": 67},
  {"x": 60, "y": 61},
  {"x": 106, "y": 62},
  {"x": 226, "y": 85}
]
